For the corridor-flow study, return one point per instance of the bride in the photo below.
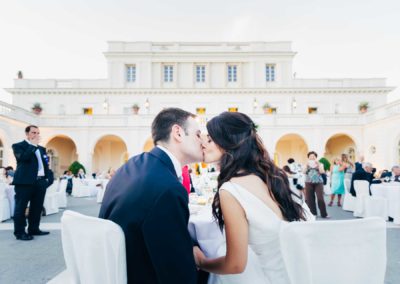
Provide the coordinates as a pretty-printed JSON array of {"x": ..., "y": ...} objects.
[{"x": 253, "y": 200}]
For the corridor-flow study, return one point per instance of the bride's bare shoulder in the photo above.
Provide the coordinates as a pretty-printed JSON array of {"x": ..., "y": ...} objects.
[{"x": 246, "y": 179}]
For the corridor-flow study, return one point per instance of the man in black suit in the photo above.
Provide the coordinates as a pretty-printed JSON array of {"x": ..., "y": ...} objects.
[
  {"x": 147, "y": 199},
  {"x": 365, "y": 173},
  {"x": 31, "y": 178}
]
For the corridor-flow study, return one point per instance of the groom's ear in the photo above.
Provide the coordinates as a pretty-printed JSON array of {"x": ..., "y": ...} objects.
[{"x": 176, "y": 133}]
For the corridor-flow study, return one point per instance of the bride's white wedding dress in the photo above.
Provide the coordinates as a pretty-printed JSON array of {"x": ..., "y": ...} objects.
[{"x": 264, "y": 263}]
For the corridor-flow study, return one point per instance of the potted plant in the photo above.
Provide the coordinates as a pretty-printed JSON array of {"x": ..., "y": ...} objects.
[
  {"x": 135, "y": 108},
  {"x": 37, "y": 108},
  {"x": 267, "y": 108},
  {"x": 363, "y": 107}
]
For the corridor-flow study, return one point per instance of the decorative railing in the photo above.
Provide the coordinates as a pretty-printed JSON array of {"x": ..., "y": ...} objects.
[{"x": 144, "y": 120}]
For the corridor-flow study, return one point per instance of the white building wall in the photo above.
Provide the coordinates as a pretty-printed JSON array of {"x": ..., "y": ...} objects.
[{"x": 337, "y": 99}]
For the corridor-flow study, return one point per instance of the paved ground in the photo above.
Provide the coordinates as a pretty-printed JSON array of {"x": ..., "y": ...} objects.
[{"x": 40, "y": 260}]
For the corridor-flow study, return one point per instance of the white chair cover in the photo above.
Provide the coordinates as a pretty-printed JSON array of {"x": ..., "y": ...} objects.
[
  {"x": 327, "y": 186},
  {"x": 61, "y": 194},
  {"x": 332, "y": 252},
  {"x": 366, "y": 205},
  {"x": 79, "y": 189},
  {"x": 5, "y": 211},
  {"x": 349, "y": 201},
  {"x": 51, "y": 199},
  {"x": 94, "y": 249},
  {"x": 102, "y": 190},
  {"x": 361, "y": 188}
]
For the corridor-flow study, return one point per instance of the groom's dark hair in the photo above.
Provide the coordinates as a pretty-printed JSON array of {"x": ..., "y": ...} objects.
[{"x": 162, "y": 124}]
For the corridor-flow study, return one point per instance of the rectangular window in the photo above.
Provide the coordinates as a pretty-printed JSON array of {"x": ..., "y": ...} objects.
[
  {"x": 168, "y": 73},
  {"x": 130, "y": 73},
  {"x": 232, "y": 73},
  {"x": 270, "y": 72},
  {"x": 271, "y": 110},
  {"x": 312, "y": 110},
  {"x": 200, "y": 73},
  {"x": 88, "y": 110},
  {"x": 201, "y": 110}
]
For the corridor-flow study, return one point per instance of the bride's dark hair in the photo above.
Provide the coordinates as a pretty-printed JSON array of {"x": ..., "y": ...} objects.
[{"x": 244, "y": 154}]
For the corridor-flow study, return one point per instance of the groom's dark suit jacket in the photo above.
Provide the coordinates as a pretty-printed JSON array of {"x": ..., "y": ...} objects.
[{"x": 147, "y": 200}]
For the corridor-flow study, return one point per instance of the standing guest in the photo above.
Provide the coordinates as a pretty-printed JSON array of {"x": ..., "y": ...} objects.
[
  {"x": 293, "y": 166},
  {"x": 349, "y": 167},
  {"x": 337, "y": 177},
  {"x": 315, "y": 185},
  {"x": 147, "y": 199},
  {"x": 358, "y": 165},
  {"x": 31, "y": 179}
]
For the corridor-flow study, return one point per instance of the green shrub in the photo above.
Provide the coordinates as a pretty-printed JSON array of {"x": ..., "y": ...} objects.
[
  {"x": 75, "y": 167},
  {"x": 326, "y": 163}
]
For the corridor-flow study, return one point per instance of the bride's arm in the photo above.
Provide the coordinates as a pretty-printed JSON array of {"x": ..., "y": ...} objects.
[{"x": 236, "y": 228}]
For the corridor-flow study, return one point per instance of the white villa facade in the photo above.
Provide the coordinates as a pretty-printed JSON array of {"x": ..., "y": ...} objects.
[{"x": 92, "y": 121}]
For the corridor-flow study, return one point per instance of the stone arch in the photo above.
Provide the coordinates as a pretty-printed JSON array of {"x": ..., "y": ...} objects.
[
  {"x": 109, "y": 152},
  {"x": 62, "y": 151},
  {"x": 338, "y": 144},
  {"x": 290, "y": 145}
]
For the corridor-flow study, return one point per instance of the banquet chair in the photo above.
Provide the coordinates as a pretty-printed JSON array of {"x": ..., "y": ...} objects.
[
  {"x": 94, "y": 249},
  {"x": 5, "y": 211},
  {"x": 79, "y": 189},
  {"x": 102, "y": 190},
  {"x": 349, "y": 200},
  {"x": 311, "y": 250},
  {"x": 61, "y": 194},
  {"x": 366, "y": 205},
  {"x": 51, "y": 200}
]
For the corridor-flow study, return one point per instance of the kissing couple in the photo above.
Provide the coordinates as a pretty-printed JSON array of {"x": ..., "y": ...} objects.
[{"x": 148, "y": 201}]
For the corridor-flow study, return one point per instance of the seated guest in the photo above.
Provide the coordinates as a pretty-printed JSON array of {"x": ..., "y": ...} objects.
[
  {"x": 396, "y": 173},
  {"x": 359, "y": 163},
  {"x": 9, "y": 174},
  {"x": 385, "y": 173},
  {"x": 364, "y": 174},
  {"x": 81, "y": 174}
]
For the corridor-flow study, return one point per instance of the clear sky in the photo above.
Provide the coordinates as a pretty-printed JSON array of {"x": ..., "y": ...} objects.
[{"x": 333, "y": 38}]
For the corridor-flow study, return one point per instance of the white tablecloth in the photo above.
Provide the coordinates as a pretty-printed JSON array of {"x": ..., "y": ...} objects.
[
  {"x": 390, "y": 191},
  {"x": 205, "y": 230}
]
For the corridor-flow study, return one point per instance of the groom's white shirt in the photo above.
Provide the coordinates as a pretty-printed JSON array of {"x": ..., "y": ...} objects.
[{"x": 175, "y": 162}]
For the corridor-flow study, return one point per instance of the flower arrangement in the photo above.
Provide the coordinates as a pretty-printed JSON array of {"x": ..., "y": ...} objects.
[{"x": 363, "y": 107}]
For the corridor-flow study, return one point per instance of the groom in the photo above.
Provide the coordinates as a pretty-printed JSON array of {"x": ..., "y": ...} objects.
[{"x": 147, "y": 199}]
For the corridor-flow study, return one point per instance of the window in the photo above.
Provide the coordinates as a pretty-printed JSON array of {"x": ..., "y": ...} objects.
[
  {"x": 201, "y": 110},
  {"x": 232, "y": 73},
  {"x": 312, "y": 110},
  {"x": 88, "y": 110},
  {"x": 270, "y": 73},
  {"x": 168, "y": 73},
  {"x": 130, "y": 73},
  {"x": 200, "y": 73},
  {"x": 233, "y": 109}
]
